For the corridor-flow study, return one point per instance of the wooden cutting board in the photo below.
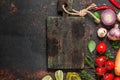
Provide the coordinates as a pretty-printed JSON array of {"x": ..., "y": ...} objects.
[{"x": 66, "y": 43}]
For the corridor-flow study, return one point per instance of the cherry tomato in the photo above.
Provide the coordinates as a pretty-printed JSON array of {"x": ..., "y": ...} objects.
[
  {"x": 109, "y": 64},
  {"x": 100, "y": 61},
  {"x": 101, "y": 47},
  {"x": 117, "y": 78},
  {"x": 100, "y": 71},
  {"x": 108, "y": 76}
]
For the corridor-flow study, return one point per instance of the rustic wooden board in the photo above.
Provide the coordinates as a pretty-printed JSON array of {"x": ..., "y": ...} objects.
[{"x": 66, "y": 42}]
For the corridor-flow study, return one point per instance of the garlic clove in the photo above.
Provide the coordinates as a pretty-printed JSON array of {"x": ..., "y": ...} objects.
[
  {"x": 101, "y": 32},
  {"x": 118, "y": 16}
]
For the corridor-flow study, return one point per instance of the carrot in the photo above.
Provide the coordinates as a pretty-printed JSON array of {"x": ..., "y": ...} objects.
[{"x": 117, "y": 63}]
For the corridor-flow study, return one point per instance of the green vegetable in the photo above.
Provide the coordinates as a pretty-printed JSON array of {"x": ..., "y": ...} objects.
[
  {"x": 86, "y": 75},
  {"x": 47, "y": 77},
  {"x": 97, "y": 14},
  {"x": 59, "y": 75},
  {"x": 72, "y": 76},
  {"x": 91, "y": 46}
]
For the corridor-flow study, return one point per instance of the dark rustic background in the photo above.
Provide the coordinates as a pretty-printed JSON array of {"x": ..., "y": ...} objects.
[{"x": 23, "y": 31}]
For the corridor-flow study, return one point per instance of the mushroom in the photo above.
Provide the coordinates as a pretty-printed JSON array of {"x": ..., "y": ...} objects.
[{"x": 101, "y": 32}]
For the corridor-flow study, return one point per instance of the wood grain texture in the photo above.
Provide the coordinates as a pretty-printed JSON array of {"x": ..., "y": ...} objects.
[{"x": 65, "y": 42}]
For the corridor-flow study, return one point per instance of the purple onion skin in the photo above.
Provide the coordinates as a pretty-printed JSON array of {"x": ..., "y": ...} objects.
[{"x": 112, "y": 14}]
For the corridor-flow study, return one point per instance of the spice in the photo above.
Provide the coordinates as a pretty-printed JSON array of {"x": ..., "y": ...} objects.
[
  {"x": 103, "y": 8},
  {"x": 84, "y": 74},
  {"x": 114, "y": 33},
  {"x": 115, "y": 3},
  {"x": 118, "y": 16}
]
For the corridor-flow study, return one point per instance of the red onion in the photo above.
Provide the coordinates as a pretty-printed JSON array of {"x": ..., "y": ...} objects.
[
  {"x": 108, "y": 17},
  {"x": 114, "y": 33}
]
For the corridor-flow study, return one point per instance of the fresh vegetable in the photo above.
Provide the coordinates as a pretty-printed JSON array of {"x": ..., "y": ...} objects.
[
  {"x": 109, "y": 65},
  {"x": 103, "y": 8},
  {"x": 101, "y": 47},
  {"x": 72, "y": 76},
  {"x": 114, "y": 33},
  {"x": 86, "y": 75},
  {"x": 101, "y": 32},
  {"x": 100, "y": 61},
  {"x": 115, "y": 3},
  {"x": 108, "y": 17},
  {"x": 59, "y": 75},
  {"x": 118, "y": 16},
  {"x": 117, "y": 63},
  {"x": 47, "y": 77},
  {"x": 91, "y": 46},
  {"x": 97, "y": 14},
  {"x": 108, "y": 76},
  {"x": 116, "y": 78},
  {"x": 101, "y": 71}
]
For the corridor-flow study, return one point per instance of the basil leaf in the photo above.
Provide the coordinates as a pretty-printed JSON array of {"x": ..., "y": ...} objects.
[{"x": 91, "y": 46}]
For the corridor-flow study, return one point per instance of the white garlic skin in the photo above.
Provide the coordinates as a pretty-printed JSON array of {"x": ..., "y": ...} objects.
[
  {"x": 118, "y": 16},
  {"x": 101, "y": 32}
]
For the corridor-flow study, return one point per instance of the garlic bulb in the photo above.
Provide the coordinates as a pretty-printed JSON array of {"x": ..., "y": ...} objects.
[
  {"x": 101, "y": 32},
  {"x": 114, "y": 33}
]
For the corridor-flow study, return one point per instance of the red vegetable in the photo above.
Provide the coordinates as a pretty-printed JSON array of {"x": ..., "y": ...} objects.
[
  {"x": 100, "y": 71},
  {"x": 100, "y": 61},
  {"x": 101, "y": 47},
  {"x": 108, "y": 76},
  {"x": 117, "y": 78},
  {"x": 115, "y": 3},
  {"x": 104, "y": 7},
  {"x": 109, "y": 64},
  {"x": 108, "y": 17}
]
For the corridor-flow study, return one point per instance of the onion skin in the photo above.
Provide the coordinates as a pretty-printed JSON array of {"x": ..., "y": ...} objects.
[
  {"x": 117, "y": 63},
  {"x": 108, "y": 17},
  {"x": 114, "y": 33}
]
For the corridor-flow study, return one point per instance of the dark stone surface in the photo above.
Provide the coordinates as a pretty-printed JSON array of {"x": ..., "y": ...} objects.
[{"x": 23, "y": 30}]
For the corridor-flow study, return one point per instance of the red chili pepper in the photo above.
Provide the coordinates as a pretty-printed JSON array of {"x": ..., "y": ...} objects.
[
  {"x": 104, "y": 7},
  {"x": 115, "y": 3}
]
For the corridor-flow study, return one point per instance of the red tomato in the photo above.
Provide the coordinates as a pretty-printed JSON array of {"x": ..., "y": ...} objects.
[
  {"x": 117, "y": 78},
  {"x": 109, "y": 64},
  {"x": 100, "y": 71},
  {"x": 108, "y": 76},
  {"x": 100, "y": 61},
  {"x": 101, "y": 47}
]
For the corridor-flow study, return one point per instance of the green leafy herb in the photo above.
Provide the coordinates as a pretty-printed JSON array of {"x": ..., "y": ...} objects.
[
  {"x": 84, "y": 74},
  {"x": 89, "y": 61},
  {"x": 91, "y": 46},
  {"x": 109, "y": 55},
  {"x": 115, "y": 44}
]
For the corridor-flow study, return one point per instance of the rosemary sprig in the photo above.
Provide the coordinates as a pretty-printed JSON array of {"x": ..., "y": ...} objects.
[{"x": 84, "y": 74}]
